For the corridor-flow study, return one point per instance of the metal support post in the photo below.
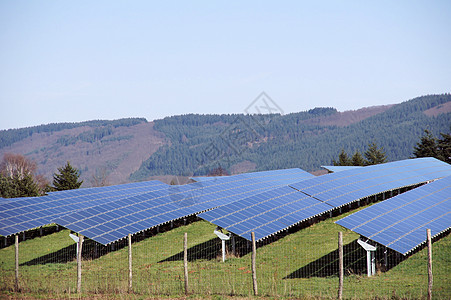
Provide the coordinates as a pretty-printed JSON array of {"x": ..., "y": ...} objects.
[
  {"x": 223, "y": 237},
  {"x": 16, "y": 242},
  {"x": 370, "y": 257}
]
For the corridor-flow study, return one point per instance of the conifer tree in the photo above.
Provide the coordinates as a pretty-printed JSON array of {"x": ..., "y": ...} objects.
[
  {"x": 444, "y": 147},
  {"x": 357, "y": 159},
  {"x": 374, "y": 155},
  {"x": 427, "y": 146},
  {"x": 67, "y": 179},
  {"x": 343, "y": 159},
  {"x": 18, "y": 186},
  {"x": 430, "y": 146}
]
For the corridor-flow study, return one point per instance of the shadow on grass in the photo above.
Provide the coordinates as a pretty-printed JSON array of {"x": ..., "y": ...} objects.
[
  {"x": 91, "y": 250},
  {"x": 29, "y": 235},
  {"x": 212, "y": 249},
  {"x": 354, "y": 262}
]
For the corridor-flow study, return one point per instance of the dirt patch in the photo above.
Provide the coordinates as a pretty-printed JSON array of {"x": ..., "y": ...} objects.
[
  {"x": 439, "y": 109},
  {"x": 349, "y": 117},
  {"x": 242, "y": 167}
]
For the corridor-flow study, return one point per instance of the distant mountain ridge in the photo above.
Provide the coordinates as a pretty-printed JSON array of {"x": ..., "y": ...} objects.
[{"x": 135, "y": 149}]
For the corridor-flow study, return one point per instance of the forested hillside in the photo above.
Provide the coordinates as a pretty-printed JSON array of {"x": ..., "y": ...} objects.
[
  {"x": 199, "y": 143},
  {"x": 103, "y": 128},
  {"x": 104, "y": 151},
  {"x": 134, "y": 149}
]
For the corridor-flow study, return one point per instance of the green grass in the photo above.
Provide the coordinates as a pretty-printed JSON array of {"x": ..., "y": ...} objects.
[{"x": 157, "y": 273}]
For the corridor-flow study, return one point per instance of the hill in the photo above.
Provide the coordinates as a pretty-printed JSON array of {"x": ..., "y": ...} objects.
[
  {"x": 135, "y": 149},
  {"x": 307, "y": 140},
  {"x": 110, "y": 149}
]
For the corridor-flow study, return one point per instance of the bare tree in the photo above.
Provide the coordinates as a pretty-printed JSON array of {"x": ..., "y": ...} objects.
[
  {"x": 19, "y": 179},
  {"x": 42, "y": 183},
  {"x": 17, "y": 165},
  {"x": 100, "y": 178}
]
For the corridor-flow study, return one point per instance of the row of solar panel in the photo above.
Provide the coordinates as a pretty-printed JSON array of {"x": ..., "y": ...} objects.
[
  {"x": 28, "y": 213},
  {"x": 176, "y": 201},
  {"x": 400, "y": 222},
  {"x": 271, "y": 212},
  {"x": 156, "y": 208}
]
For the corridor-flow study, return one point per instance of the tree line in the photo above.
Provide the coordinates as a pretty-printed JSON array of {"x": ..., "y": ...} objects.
[
  {"x": 18, "y": 178},
  {"x": 11, "y": 136},
  {"x": 428, "y": 146},
  {"x": 372, "y": 156}
]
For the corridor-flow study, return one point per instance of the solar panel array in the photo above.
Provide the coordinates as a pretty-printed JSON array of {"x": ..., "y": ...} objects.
[
  {"x": 400, "y": 222},
  {"x": 263, "y": 202},
  {"x": 341, "y": 188},
  {"x": 319, "y": 195},
  {"x": 108, "y": 223},
  {"x": 27, "y": 213}
]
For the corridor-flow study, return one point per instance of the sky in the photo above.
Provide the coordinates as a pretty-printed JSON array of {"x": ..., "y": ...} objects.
[{"x": 72, "y": 61}]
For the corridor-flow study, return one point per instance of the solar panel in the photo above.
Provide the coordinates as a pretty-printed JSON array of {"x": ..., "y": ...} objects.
[
  {"x": 280, "y": 172},
  {"x": 203, "y": 178},
  {"x": 341, "y": 188},
  {"x": 400, "y": 222},
  {"x": 266, "y": 213},
  {"x": 336, "y": 169},
  {"x": 108, "y": 223},
  {"x": 28, "y": 213}
]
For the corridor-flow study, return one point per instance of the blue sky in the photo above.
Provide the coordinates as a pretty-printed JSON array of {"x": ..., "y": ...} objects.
[{"x": 64, "y": 61}]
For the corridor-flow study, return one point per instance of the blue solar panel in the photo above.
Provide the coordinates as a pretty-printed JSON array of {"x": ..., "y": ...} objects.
[
  {"x": 266, "y": 213},
  {"x": 343, "y": 187},
  {"x": 336, "y": 169},
  {"x": 203, "y": 178},
  {"x": 28, "y": 213},
  {"x": 281, "y": 172},
  {"x": 145, "y": 211},
  {"x": 400, "y": 222}
]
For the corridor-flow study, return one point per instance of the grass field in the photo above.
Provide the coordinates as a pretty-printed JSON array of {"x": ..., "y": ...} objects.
[{"x": 298, "y": 265}]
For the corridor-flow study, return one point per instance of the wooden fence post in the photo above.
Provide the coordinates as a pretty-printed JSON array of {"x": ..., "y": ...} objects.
[
  {"x": 130, "y": 274},
  {"x": 429, "y": 242},
  {"x": 185, "y": 261},
  {"x": 80, "y": 245},
  {"x": 16, "y": 238},
  {"x": 254, "y": 271},
  {"x": 340, "y": 265}
]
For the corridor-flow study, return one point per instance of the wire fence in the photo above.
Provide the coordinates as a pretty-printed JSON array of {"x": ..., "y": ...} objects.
[{"x": 300, "y": 263}]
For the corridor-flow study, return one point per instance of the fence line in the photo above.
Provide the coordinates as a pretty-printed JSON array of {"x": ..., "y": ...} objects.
[
  {"x": 429, "y": 246},
  {"x": 340, "y": 265},
  {"x": 254, "y": 270},
  {"x": 164, "y": 267},
  {"x": 185, "y": 261}
]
